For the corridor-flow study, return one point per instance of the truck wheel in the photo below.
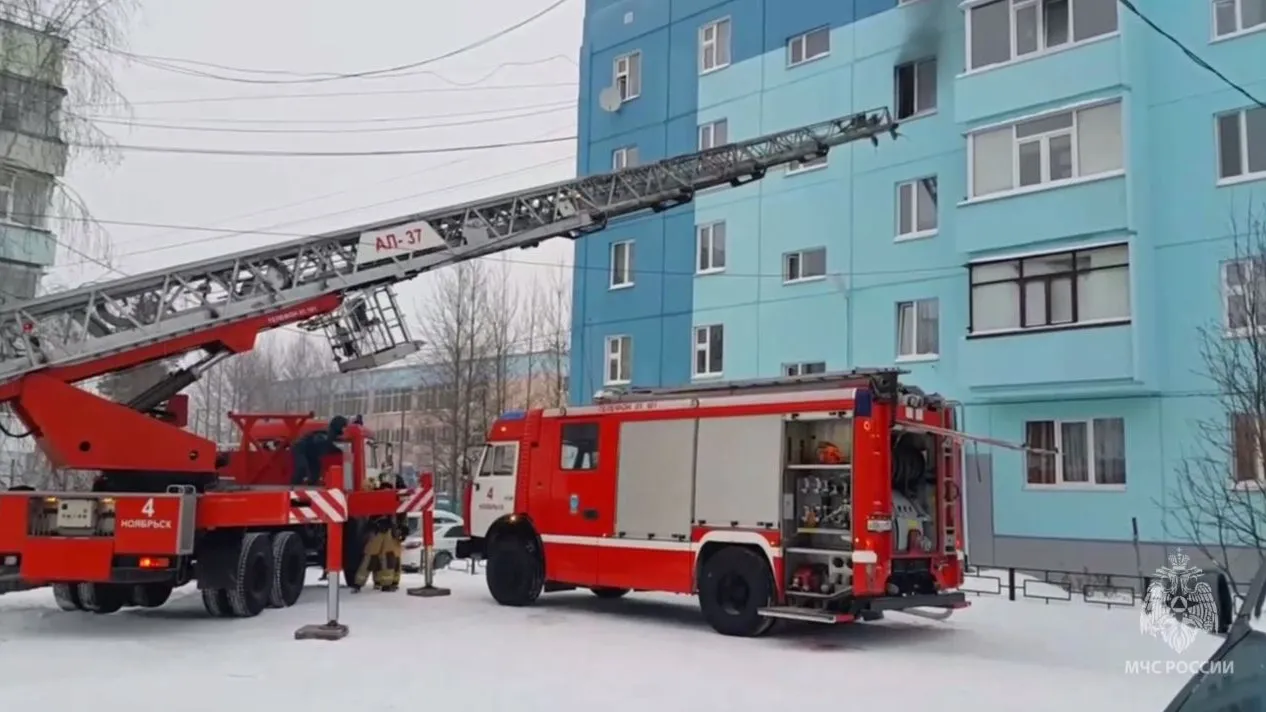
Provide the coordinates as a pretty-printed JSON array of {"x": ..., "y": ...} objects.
[
  {"x": 67, "y": 596},
  {"x": 151, "y": 595},
  {"x": 736, "y": 583},
  {"x": 515, "y": 576},
  {"x": 290, "y": 570},
  {"x": 254, "y": 581},
  {"x": 102, "y": 598},
  {"x": 216, "y": 601},
  {"x": 441, "y": 561},
  {"x": 609, "y": 593}
]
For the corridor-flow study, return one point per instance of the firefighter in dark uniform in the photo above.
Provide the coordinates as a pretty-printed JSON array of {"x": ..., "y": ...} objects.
[{"x": 308, "y": 450}]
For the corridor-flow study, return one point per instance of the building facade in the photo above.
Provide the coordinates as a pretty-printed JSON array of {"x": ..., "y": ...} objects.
[{"x": 1092, "y": 172}]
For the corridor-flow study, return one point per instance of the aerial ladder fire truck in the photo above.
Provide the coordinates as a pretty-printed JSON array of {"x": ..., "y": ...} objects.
[{"x": 168, "y": 509}]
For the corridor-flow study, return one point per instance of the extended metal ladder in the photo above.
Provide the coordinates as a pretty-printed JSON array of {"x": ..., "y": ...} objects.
[{"x": 88, "y": 324}]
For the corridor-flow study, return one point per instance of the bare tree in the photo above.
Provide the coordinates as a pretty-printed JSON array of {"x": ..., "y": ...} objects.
[
  {"x": 555, "y": 334},
  {"x": 1217, "y": 505},
  {"x": 453, "y": 325},
  {"x": 501, "y": 322}
]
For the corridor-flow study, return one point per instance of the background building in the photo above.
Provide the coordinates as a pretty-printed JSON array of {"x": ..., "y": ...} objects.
[
  {"x": 32, "y": 156},
  {"x": 1091, "y": 172}
]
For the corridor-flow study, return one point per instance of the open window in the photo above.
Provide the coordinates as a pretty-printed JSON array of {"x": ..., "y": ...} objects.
[{"x": 579, "y": 446}]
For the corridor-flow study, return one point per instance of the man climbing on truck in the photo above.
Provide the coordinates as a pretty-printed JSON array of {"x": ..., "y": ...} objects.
[{"x": 309, "y": 449}]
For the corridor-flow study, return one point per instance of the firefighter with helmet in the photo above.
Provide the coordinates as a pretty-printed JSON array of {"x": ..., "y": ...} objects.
[{"x": 383, "y": 547}]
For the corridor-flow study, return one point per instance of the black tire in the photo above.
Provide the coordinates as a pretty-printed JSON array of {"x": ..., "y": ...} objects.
[
  {"x": 67, "y": 596},
  {"x": 605, "y": 592},
  {"x": 290, "y": 570},
  {"x": 151, "y": 595},
  {"x": 442, "y": 560},
  {"x": 216, "y": 601},
  {"x": 254, "y": 580},
  {"x": 734, "y": 584},
  {"x": 515, "y": 575},
  {"x": 103, "y": 598}
]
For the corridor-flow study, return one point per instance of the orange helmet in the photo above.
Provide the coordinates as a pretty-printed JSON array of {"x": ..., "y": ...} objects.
[{"x": 829, "y": 454}]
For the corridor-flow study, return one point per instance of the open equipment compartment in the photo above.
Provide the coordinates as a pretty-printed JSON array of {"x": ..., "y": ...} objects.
[{"x": 818, "y": 506}]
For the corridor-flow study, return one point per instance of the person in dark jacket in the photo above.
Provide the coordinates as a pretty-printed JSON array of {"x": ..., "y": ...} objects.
[{"x": 309, "y": 449}]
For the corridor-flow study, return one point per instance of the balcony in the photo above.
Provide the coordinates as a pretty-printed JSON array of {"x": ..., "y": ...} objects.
[
  {"x": 34, "y": 153},
  {"x": 1089, "y": 360},
  {"x": 28, "y": 245},
  {"x": 1020, "y": 219}
]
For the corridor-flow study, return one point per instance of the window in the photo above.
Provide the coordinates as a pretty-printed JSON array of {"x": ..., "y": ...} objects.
[
  {"x": 453, "y": 531},
  {"x": 628, "y": 76},
  {"x": 30, "y": 107},
  {"x": 918, "y": 329},
  {"x": 1003, "y": 30},
  {"x": 619, "y": 355},
  {"x": 1244, "y": 295},
  {"x": 812, "y": 45},
  {"x": 395, "y": 400},
  {"x": 804, "y": 369},
  {"x": 1091, "y": 452},
  {"x": 20, "y": 281},
  {"x": 709, "y": 350},
  {"x": 807, "y": 164},
  {"x": 1047, "y": 150},
  {"x": 916, "y": 208},
  {"x": 622, "y": 264},
  {"x": 1242, "y": 143},
  {"x": 714, "y": 134},
  {"x": 1063, "y": 289},
  {"x": 916, "y": 88},
  {"x": 714, "y": 46},
  {"x": 804, "y": 265},
  {"x": 24, "y": 198},
  {"x": 499, "y": 459},
  {"x": 625, "y": 157},
  {"x": 711, "y": 239},
  {"x": 579, "y": 446},
  {"x": 1232, "y": 16},
  {"x": 1246, "y": 448}
]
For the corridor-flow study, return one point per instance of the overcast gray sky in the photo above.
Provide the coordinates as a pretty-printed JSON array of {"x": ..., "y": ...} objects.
[{"x": 455, "y": 101}]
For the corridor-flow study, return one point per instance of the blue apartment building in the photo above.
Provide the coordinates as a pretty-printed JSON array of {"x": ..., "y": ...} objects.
[{"x": 1090, "y": 174}]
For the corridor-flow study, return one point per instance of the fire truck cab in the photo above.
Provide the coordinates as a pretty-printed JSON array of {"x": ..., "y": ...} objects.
[{"x": 827, "y": 498}]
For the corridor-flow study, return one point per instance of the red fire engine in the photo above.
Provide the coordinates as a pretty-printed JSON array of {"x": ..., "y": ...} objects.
[
  {"x": 167, "y": 508},
  {"x": 825, "y": 498}
]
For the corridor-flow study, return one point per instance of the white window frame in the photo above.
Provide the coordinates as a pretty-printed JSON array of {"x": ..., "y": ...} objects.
[
  {"x": 919, "y": 111},
  {"x": 913, "y": 209},
  {"x": 706, "y": 347},
  {"x": 1240, "y": 30},
  {"x": 1246, "y": 175},
  {"x": 803, "y": 40},
  {"x": 1042, "y": 49},
  {"x": 708, "y": 134},
  {"x": 1073, "y": 130},
  {"x": 706, "y": 233},
  {"x": 1091, "y": 474},
  {"x": 812, "y": 164},
  {"x": 714, "y": 43},
  {"x": 915, "y": 354},
  {"x": 631, "y": 73},
  {"x": 624, "y": 157},
  {"x": 621, "y": 265},
  {"x": 1254, "y": 269},
  {"x": 799, "y": 255},
  {"x": 8, "y": 194},
  {"x": 1259, "y": 462},
  {"x": 618, "y": 357},
  {"x": 791, "y": 370}
]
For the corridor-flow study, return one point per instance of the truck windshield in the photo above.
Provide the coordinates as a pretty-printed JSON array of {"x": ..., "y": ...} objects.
[{"x": 1234, "y": 681}]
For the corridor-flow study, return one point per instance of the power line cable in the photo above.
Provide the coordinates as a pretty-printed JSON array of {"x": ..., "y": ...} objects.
[
  {"x": 194, "y": 150},
  {"x": 1195, "y": 58},
  {"x": 343, "y": 130},
  {"x": 333, "y": 95},
  {"x": 367, "y": 120},
  {"x": 392, "y": 70}
]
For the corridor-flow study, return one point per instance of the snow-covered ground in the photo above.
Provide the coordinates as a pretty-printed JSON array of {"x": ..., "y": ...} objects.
[{"x": 571, "y": 652}]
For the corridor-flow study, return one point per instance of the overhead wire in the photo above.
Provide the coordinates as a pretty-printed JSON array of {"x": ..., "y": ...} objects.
[
  {"x": 341, "y": 130},
  {"x": 332, "y": 95},
  {"x": 195, "y": 150},
  {"x": 366, "y": 120},
  {"x": 392, "y": 70}
]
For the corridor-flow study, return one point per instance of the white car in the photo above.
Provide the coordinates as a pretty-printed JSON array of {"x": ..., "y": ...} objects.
[{"x": 449, "y": 529}]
